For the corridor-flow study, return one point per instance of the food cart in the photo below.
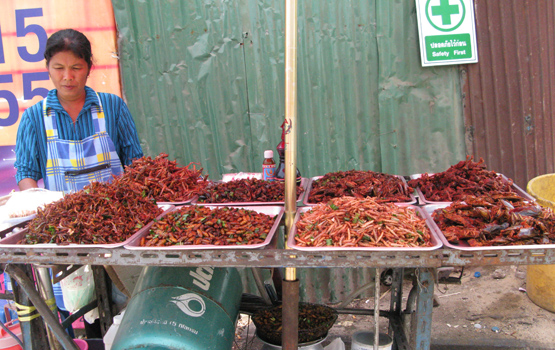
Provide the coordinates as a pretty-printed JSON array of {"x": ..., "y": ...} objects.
[{"x": 270, "y": 255}]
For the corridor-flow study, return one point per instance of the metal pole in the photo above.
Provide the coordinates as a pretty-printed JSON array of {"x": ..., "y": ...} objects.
[
  {"x": 33, "y": 331},
  {"x": 291, "y": 291},
  {"x": 290, "y": 112},
  {"x": 257, "y": 275},
  {"x": 377, "y": 309},
  {"x": 52, "y": 321},
  {"x": 47, "y": 292}
]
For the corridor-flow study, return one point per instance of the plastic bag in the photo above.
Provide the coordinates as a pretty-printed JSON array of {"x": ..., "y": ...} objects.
[
  {"x": 25, "y": 203},
  {"x": 78, "y": 290},
  {"x": 239, "y": 176}
]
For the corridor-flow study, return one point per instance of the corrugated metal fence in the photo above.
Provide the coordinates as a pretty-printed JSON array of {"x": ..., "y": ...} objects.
[
  {"x": 205, "y": 81},
  {"x": 509, "y": 94}
]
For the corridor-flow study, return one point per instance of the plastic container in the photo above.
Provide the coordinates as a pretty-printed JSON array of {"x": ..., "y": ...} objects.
[
  {"x": 111, "y": 333},
  {"x": 181, "y": 308},
  {"x": 7, "y": 342},
  {"x": 82, "y": 344},
  {"x": 540, "y": 279},
  {"x": 7, "y": 283},
  {"x": 7, "y": 311},
  {"x": 268, "y": 165},
  {"x": 363, "y": 340}
]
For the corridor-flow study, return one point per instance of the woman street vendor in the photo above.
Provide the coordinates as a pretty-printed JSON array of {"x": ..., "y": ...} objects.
[{"x": 75, "y": 135}]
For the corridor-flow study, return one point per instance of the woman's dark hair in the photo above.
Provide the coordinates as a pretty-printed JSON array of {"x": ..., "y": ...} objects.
[{"x": 69, "y": 40}]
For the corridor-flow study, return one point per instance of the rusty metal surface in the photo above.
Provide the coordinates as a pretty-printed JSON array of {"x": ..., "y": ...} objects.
[
  {"x": 452, "y": 257},
  {"x": 277, "y": 257},
  {"x": 508, "y": 96},
  {"x": 290, "y": 314}
]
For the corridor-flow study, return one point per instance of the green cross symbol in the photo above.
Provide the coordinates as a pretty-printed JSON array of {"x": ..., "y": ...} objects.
[{"x": 445, "y": 11}]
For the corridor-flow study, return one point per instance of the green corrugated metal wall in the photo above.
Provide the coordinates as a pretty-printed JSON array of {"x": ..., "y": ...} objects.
[{"x": 204, "y": 81}]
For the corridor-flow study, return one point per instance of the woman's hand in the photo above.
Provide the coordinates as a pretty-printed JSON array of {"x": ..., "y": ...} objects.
[{"x": 27, "y": 183}]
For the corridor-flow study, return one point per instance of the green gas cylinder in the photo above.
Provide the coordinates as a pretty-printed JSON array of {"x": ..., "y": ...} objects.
[{"x": 185, "y": 308}]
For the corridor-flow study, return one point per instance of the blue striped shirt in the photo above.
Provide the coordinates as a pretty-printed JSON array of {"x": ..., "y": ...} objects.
[{"x": 30, "y": 147}]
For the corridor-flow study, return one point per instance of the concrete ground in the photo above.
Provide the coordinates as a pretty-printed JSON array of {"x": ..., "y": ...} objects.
[{"x": 491, "y": 311}]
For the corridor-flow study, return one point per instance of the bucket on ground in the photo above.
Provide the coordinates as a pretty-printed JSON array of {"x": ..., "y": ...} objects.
[
  {"x": 540, "y": 279},
  {"x": 363, "y": 340},
  {"x": 181, "y": 308}
]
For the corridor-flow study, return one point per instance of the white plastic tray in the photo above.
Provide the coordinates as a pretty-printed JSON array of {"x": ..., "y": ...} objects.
[{"x": 134, "y": 243}]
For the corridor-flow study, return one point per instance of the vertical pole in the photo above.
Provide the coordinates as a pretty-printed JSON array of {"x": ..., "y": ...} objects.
[
  {"x": 33, "y": 331},
  {"x": 51, "y": 320},
  {"x": 290, "y": 316},
  {"x": 103, "y": 288},
  {"x": 290, "y": 112},
  {"x": 291, "y": 290},
  {"x": 377, "y": 308},
  {"x": 47, "y": 293},
  {"x": 422, "y": 318}
]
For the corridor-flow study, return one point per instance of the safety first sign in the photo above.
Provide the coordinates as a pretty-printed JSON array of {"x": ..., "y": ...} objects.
[{"x": 447, "y": 30}]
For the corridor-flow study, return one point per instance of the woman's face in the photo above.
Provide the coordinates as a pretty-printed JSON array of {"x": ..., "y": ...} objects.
[{"x": 69, "y": 74}]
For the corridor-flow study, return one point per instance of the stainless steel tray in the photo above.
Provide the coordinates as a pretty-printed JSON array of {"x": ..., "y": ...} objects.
[
  {"x": 188, "y": 201},
  {"x": 424, "y": 201},
  {"x": 430, "y": 208},
  {"x": 11, "y": 241},
  {"x": 304, "y": 182},
  {"x": 436, "y": 242},
  {"x": 312, "y": 179},
  {"x": 134, "y": 243}
]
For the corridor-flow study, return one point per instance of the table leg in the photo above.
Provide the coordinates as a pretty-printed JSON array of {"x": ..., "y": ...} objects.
[
  {"x": 47, "y": 292},
  {"x": 396, "y": 314},
  {"x": 421, "y": 322}
]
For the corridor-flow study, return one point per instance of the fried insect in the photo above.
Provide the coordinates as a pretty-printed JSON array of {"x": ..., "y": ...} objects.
[
  {"x": 360, "y": 184},
  {"x": 352, "y": 222},
  {"x": 200, "y": 225},
  {"x": 464, "y": 178},
  {"x": 163, "y": 179},
  {"x": 101, "y": 213},
  {"x": 494, "y": 221},
  {"x": 246, "y": 190}
]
